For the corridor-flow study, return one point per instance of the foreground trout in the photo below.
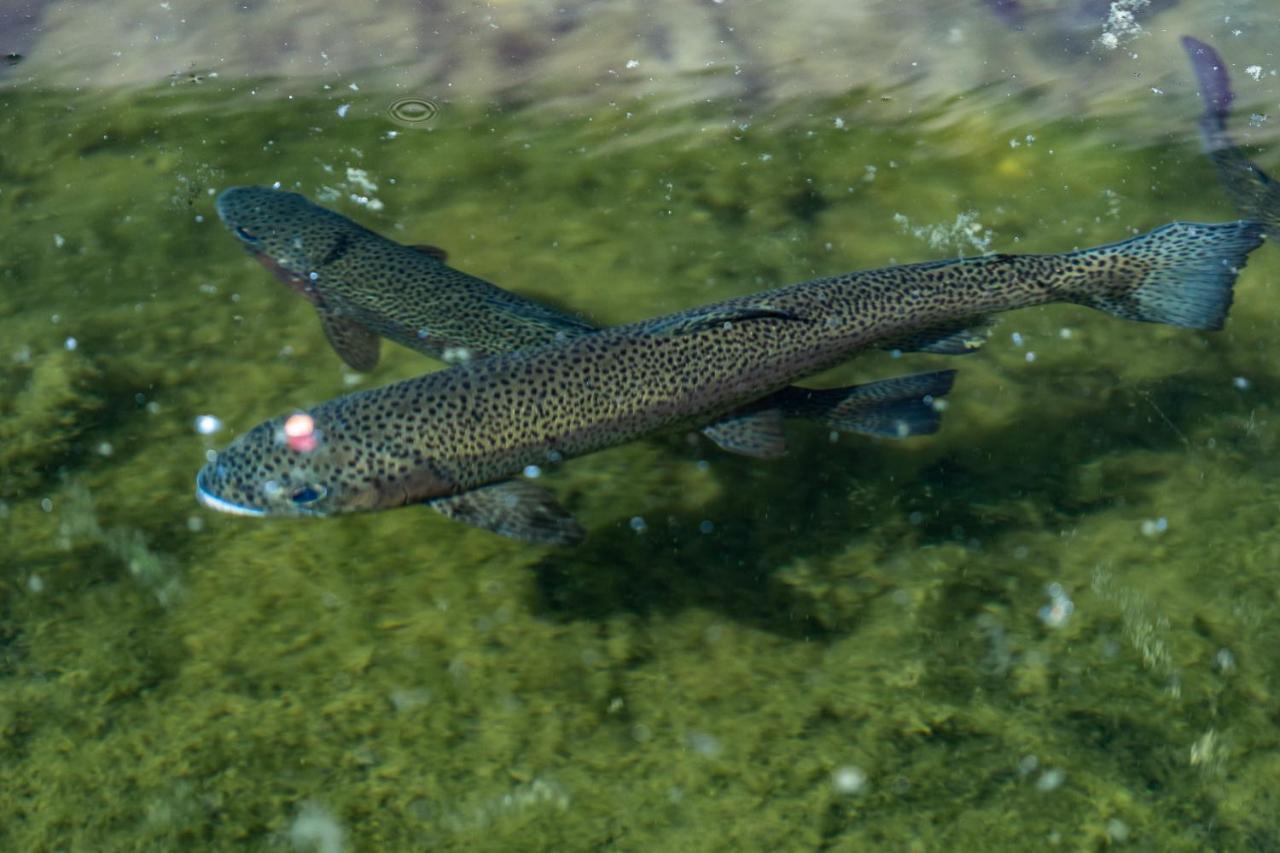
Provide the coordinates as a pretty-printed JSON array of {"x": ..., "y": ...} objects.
[
  {"x": 365, "y": 286},
  {"x": 1254, "y": 193},
  {"x": 455, "y": 439}
]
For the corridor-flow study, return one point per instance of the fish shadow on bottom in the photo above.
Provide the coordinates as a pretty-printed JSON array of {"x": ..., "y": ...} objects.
[{"x": 1051, "y": 467}]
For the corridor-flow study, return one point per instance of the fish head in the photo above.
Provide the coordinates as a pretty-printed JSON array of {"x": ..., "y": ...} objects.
[
  {"x": 286, "y": 233},
  {"x": 314, "y": 463}
]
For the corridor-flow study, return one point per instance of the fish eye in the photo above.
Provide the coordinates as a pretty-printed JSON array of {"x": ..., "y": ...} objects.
[
  {"x": 245, "y": 234},
  {"x": 307, "y": 495}
]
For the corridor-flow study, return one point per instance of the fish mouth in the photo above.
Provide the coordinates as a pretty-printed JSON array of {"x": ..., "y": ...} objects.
[{"x": 212, "y": 501}]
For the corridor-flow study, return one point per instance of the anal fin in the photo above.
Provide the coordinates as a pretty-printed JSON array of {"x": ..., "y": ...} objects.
[
  {"x": 959, "y": 339},
  {"x": 890, "y": 408},
  {"x": 354, "y": 343},
  {"x": 515, "y": 509}
]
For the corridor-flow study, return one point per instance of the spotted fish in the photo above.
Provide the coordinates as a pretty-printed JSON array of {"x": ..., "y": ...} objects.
[
  {"x": 364, "y": 286},
  {"x": 1254, "y": 193},
  {"x": 455, "y": 439}
]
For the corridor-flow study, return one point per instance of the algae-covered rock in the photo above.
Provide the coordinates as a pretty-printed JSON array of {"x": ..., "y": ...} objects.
[{"x": 47, "y": 402}]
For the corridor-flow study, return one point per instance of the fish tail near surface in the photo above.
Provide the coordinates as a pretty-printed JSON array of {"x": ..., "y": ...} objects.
[
  {"x": 1253, "y": 191},
  {"x": 1213, "y": 79},
  {"x": 1180, "y": 274}
]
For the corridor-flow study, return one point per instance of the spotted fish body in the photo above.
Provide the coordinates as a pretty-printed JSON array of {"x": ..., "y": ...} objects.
[
  {"x": 452, "y": 438},
  {"x": 1254, "y": 193},
  {"x": 364, "y": 285}
]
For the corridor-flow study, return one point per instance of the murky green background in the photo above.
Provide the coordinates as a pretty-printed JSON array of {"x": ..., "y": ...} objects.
[{"x": 849, "y": 655}]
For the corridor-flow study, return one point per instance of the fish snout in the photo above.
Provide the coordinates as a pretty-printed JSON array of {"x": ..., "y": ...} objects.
[{"x": 211, "y": 492}]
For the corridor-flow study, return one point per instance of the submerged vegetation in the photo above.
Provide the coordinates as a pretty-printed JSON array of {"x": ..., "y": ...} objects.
[{"x": 854, "y": 646}]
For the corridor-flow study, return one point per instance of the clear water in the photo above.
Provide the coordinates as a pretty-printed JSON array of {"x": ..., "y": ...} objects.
[{"x": 1054, "y": 623}]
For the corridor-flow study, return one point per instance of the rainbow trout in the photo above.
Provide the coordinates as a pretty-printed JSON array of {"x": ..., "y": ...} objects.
[
  {"x": 364, "y": 286},
  {"x": 1255, "y": 193},
  {"x": 455, "y": 439}
]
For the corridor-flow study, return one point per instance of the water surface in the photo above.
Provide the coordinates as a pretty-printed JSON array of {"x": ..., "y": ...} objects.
[{"x": 855, "y": 646}]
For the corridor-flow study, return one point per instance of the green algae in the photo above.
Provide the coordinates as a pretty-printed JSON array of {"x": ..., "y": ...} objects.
[
  {"x": 169, "y": 677},
  {"x": 48, "y": 404}
]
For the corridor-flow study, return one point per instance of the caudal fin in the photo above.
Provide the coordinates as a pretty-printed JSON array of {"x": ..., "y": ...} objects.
[
  {"x": 1180, "y": 274},
  {"x": 1255, "y": 193},
  {"x": 1213, "y": 77}
]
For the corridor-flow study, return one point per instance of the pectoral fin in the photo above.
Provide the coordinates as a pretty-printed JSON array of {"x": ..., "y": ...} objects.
[
  {"x": 515, "y": 509},
  {"x": 943, "y": 340},
  {"x": 753, "y": 432},
  {"x": 719, "y": 317},
  {"x": 891, "y": 408},
  {"x": 355, "y": 344}
]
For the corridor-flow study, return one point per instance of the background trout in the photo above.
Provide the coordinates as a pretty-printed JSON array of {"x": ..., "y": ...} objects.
[
  {"x": 454, "y": 438},
  {"x": 1254, "y": 193},
  {"x": 364, "y": 286}
]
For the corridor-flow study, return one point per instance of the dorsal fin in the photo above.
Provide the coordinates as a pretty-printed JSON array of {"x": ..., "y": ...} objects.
[
  {"x": 434, "y": 251},
  {"x": 719, "y": 316}
]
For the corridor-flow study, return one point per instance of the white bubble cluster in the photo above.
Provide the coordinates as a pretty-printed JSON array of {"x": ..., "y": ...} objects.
[
  {"x": 1153, "y": 527},
  {"x": 207, "y": 424},
  {"x": 1060, "y": 607},
  {"x": 848, "y": 779},
  {"x": 1051, "y": 780}
]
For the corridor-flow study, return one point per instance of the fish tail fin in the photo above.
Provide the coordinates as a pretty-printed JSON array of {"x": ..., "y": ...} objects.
[
  {"x": 1255, "y": 193},
  {"x": 1180, "y": 274},
  {"x": 889, "y": 408},
  {"x": 1212, "y": 77}
]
